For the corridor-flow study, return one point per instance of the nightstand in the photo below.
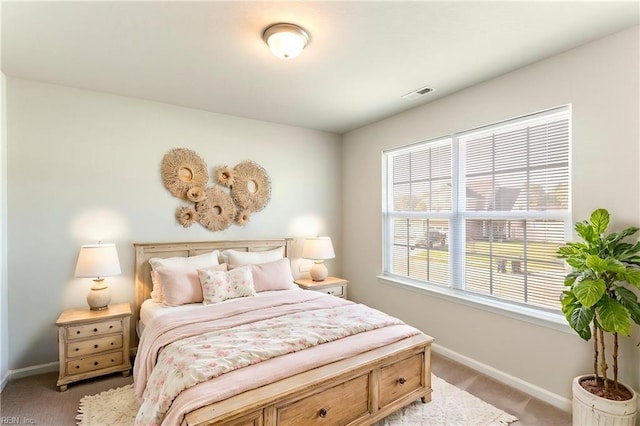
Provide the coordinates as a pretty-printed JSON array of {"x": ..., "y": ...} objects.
[
  {"x": 93, "y": 343},
  {"x": 331, "y": 285}
]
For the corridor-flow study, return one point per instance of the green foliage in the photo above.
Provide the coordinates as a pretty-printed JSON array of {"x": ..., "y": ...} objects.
[
  {"x": 589, "y": 291},
  {"x": 596, "y": 294}
]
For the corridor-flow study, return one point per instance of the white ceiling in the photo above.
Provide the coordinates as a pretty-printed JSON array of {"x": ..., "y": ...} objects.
[{"x": 362, "y": 56}]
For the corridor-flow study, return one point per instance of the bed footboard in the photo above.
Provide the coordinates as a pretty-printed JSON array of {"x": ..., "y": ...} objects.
[{"x": 356, "y": 391}]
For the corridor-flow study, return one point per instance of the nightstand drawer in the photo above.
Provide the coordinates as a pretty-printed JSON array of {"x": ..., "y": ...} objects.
[
  {"x": 92, "y": 346},
  {"x": 94, "y": 363},
  {"x": 95, "y": 329},
  {"x": 337, "y": 290}
]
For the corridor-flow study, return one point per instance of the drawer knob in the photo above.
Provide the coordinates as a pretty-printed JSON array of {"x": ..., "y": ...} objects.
[
  {"x": 322, "y": 413},
  {"x": 402, "y": 380},
  {"x": 95, "y": 346},
  {"x": 95, "y": 330},
  {"x": 78, "y": 332},
  {"x": 95, "y": 363},
  {"x": 77, "y": 349}
]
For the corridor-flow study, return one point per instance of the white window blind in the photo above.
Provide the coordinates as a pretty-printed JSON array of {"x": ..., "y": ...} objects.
[{"x": 483, "y": 211}]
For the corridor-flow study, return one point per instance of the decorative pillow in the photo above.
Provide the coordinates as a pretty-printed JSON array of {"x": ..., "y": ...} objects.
[
  {"x": 198, "y": 261},
  {"x": 235, "y": 257},
  {"x": 180, "y": 285},
  {"x": 271, "y": 275},
  {"x": 218, "y": 285}
]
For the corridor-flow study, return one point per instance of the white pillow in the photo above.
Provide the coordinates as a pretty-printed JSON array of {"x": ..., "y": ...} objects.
[
  {"x": 198, "y": 261},
  {"x": 235, "y": 257},
  {"x": 219, "y": 285}
]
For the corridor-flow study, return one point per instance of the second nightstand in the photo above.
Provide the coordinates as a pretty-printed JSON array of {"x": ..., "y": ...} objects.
[
  {"x": 93, "y": 343},
  {"x": 331, "y": 285}
]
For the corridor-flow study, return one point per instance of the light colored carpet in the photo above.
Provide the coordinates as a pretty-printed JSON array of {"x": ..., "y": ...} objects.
[{"x": 449, "y": 406}]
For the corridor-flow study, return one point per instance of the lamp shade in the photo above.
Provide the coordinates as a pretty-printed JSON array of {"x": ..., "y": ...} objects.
[
  {"x": 98, "y": 260},
  {"x": 318, "y": 248}
]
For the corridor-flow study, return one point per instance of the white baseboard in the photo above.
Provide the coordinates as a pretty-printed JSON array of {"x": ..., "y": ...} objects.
[
  {"x": 29, "y": 371},
  {"x": 526, "y": 387},
  {"x": 5, "y": 380},
  {"x": 537, "y": 392},
  {"x": 37, "y": 369}
]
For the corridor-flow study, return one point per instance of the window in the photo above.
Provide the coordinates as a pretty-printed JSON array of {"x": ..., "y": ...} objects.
[{"x": 483, "y": 211}]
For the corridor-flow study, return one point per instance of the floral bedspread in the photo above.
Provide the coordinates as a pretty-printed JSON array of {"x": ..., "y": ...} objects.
[{"x": 196, "y": 359}]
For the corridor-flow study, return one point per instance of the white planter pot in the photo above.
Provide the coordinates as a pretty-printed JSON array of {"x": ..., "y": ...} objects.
[{"x": 589, "y": 409}]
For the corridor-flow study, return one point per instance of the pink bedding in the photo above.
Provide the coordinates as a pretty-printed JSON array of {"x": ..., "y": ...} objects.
[{"x": 188, "y": 360}]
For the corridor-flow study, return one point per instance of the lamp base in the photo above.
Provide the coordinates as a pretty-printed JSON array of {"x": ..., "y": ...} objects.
[
  {"x": 318, "y": 271},
  {"x": 99, "y": 296},
  {"x": 101, "y": 308}
]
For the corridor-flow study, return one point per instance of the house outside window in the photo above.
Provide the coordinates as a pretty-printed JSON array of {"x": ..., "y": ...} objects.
[{"x": 482, "y": 212}]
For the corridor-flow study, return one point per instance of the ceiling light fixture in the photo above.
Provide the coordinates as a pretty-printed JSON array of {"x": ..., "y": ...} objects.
[{"x": 285, "y": 40}]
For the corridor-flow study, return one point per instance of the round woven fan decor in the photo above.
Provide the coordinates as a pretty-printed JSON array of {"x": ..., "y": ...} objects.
[
  {"x": 225, "y": 176},
  {"x": 217, "y": 212},
  {"x": 186, "y": 216},
  {"x": 242, "y": 218},
  {"x": 183, "y": 169},
  {"x": 196, "y": 194},
  {"x": 251, "y": 189}
]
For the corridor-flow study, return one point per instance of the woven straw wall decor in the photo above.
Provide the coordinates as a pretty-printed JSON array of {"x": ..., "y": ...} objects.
[
  {"x": 251, "y": 189},
  {"x": 217, "y": 212},
  {"x": 182, "y": 169},
  {"x": 187, "y": 216},
  {"x": 245, "y": 188},
  {"x": 225, "y": 176}
]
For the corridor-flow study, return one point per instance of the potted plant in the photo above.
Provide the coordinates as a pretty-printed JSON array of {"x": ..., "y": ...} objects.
[{"x": 599, "y": 304}]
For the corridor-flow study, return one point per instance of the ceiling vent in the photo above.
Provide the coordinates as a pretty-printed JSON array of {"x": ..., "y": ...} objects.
[{"x": 417, "y": 93}]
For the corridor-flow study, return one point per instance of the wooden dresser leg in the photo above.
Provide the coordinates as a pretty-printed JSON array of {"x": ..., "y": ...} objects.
[{"x": 63, "y": 388}]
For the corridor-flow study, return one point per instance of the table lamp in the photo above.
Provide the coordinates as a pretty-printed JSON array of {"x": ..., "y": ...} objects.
[
  {"x": 98, "y": 261},
  {"x": 318, "y": 249}
]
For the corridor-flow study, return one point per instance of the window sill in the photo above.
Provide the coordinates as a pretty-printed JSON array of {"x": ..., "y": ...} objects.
[{"x": 541, "y": 318}]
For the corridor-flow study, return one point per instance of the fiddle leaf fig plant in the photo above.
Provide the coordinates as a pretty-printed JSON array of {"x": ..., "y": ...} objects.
[{"x": 598, "y": 298}]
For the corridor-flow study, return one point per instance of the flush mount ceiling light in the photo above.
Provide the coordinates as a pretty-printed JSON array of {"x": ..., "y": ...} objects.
[{"x": 286, "y": 40}]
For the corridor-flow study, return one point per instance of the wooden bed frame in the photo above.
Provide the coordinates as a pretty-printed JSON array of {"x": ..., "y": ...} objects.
[{"x": 356, "y": 391}]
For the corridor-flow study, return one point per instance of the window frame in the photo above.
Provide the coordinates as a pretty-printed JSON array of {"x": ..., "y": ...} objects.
[{"x": 456, "y": 291}]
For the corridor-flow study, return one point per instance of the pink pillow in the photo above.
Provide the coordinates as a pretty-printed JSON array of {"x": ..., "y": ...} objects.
[
  {"x": 198, "y": 261},
  {"x": 218, "y": 285},
  {"x": 179, "y": 284},
  {"x": 274, "y": 275}
]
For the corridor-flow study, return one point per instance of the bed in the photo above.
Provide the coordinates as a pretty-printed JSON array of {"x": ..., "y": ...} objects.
[{"x": 357, "y": 376}]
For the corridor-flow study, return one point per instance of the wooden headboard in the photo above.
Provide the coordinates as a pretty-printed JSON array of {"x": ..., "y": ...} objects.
[{"x": 145, "y": 251}]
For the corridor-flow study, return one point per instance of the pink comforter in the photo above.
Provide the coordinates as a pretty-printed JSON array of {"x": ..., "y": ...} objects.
[{"x": 182, "y": 357}]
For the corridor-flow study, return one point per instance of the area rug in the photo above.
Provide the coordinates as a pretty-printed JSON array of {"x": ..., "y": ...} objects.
[{"x": 449, "y": 406}]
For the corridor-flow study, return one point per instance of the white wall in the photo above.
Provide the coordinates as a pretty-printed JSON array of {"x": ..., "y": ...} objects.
[
  {"x": 600, "y": 80},
  {"x": 85, "y": 166},
  {"x": 4, "y": 307}
]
